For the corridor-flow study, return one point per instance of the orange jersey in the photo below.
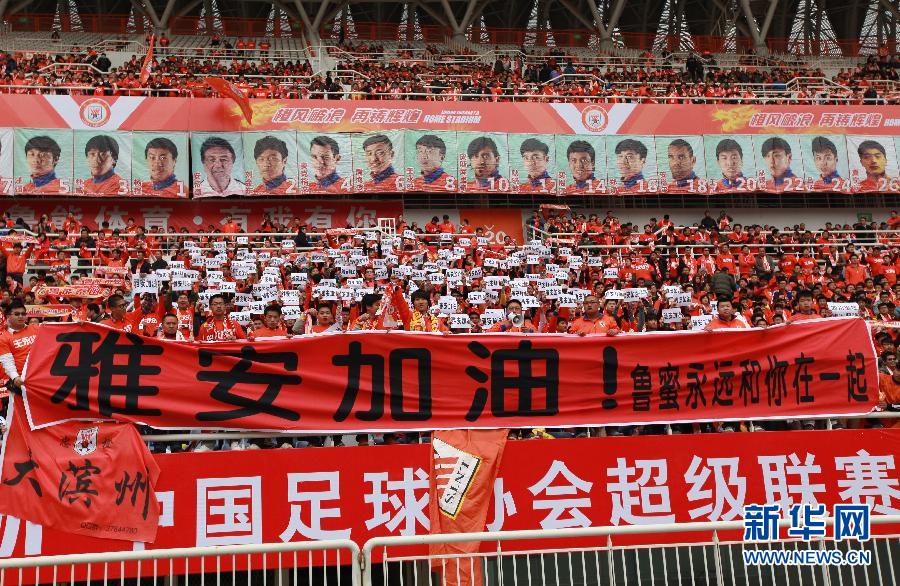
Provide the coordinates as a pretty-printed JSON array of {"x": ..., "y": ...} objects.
[
  {"x": 720, "y": 324},
  {"x": 112, "y": 185},
  {"x": 53, "y": 187},
  {"x": 542, "y": 184},
  {"x": 168, "y": 188},
  {"x": 387, "y": 182},
  {"x": 436, "y": 181},
  {"x": 601, "y": 325},
  {"x": 18, "y": 344},
  {"x": 124, "y": 325}
]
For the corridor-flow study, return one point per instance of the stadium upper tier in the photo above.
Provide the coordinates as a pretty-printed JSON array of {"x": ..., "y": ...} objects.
[{"x": 96, "y": 64}]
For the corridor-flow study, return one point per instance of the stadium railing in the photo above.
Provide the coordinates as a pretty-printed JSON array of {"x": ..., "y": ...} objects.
[
  {"x": 164, "y": 566},
  {"x": 715, "y": 561},
  {"x": 603, "y": 559}
]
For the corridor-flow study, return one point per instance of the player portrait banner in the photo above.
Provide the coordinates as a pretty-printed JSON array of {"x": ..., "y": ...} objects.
[
  {"x": 217, "y": 164},
  {"x": 483, "y": 162},
  {"x": 873, "y": 163},
  {"x": 432, "y": 160},
  {"x": 351, "y": 382},
  {"x": 681, "y": 164},
  {"x": 159, "y": 164},
  {"x": 532, "y": 164},
  {"x": 325, "y": 163},
  {"x": 631, "y": 164},
  {"x": 358, "y": 493},
  {"x": 270, "y": 163},
  {"x": 581, "y": 165},
  {"x": 42, "y": 161},
  {"x": 102, "y": 163},
  {"x": 7, "y": 179},
  {"x": 378, "y": 162}
]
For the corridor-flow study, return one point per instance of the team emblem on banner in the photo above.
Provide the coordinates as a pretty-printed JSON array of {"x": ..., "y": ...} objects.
[
  {"x": 94, "y": 112},
  {"x": 86, "y": 441},
  {"x": 594, "y": 118},
  {"x": 458, "y": 470}
]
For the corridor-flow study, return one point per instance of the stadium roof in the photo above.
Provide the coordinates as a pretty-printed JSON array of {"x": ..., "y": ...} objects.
[{"x": 811, "y": 20}]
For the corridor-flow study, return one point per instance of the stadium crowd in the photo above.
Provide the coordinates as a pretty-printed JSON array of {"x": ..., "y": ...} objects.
[
  {"x": 448, "y": 278},
  {"x": 364, "y": 72}
]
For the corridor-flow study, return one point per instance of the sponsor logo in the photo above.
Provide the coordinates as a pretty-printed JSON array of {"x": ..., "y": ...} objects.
[{"x": 94, "y": 112}]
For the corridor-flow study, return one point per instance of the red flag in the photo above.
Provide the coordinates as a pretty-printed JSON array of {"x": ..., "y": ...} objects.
[
  {"x": 464, "y": 465},
  {"x": 89, "y": 478},
  {"x": 229, "y": 90},
  {"x": 147, "y": 67}
]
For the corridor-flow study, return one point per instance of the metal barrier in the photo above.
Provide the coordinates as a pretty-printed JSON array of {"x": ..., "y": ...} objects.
[
  {"x": 712, "y": 562},
  {"x": 294, "y": 563}
]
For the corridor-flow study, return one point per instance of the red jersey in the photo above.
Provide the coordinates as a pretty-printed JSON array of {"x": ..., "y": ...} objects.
[
  {"x": 217, "y": 330},
  {"x": 437, "y": 181},
  {"x": 124, "y": 325}
]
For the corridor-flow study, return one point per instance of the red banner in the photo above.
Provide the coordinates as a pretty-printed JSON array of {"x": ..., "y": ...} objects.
[
  {"x": 195, "y": 216},
  {"x": 342, "y": 382},
  {"x": 222, "y": 114},
  {"x": 359, "y": 493},
  {"x": 464, "y": 466},
  {"x": 91, "y": 479}
]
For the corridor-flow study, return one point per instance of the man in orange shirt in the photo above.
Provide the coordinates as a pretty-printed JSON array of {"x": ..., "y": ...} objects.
[
  {"x": 727, "y": 318},
  {"x": 42, "y": 155},
  {"x": 855, "y": 273},
  {"x": 16, "y": 260},
  {"x": 515, "y": 320},
  {"x": 118, "y": 319},
  {"x": 219, "y": 326},
  {"x": 805, "y": 308},
  {"x": 272, "y": 326},
  {"x": 592, "y": 321},
  {"x": 102, "y": 153},
  {"x": 15, "y": 342}
]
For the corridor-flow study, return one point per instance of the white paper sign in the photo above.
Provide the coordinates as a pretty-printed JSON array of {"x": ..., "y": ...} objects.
[
  {"x": 614, "y": 294},
  {"x": 671, "y": 316},
  {"x": 141, "y": 285},
  {"x": 459, "y": 321},
  {"x": 447, "y": 305},
  {"x": 698, "y": 322},
  {"x": 843, "y": 309},
  {"x": 476, "y": 298},
  {"x": 611, "y": 273}
]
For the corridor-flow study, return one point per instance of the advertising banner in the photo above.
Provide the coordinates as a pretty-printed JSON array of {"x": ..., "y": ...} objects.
[
  {"x": 281, "y": 495},
  {"x": 327, "y": 383}
]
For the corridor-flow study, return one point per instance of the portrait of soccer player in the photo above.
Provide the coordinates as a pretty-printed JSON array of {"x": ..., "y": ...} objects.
[
  {"x": 379, "y": 154},
  {"x": 535, "y": 159},
  {"x": 6, "y": 161},
  {"x": 161, "y": 157},
  {"x": 101, "y": 153},
  {"x": 42, "y": 154},
  {"x": 218, "y": 157},
  {"x": 324, "y": 156},
  {"x": 777, "y": 157},
  {"x": 631, "y": 156},
  {"x": 873, "y": 160},
  {"x": 484, "y": 159},
  {"x": 825, "y": 158},
  {"x": 581, "y": 157},
  {"x": 431, "y": 150},
  {"x": 271, "y": 156},
  {"x": 730, "y": 158},
  {"x": 682, "y": 164}
]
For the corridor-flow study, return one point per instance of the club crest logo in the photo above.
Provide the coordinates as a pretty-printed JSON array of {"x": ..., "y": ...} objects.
[
  {"x": 86, "y": 442},
  {"x": 594, "y": 118},
  {"x": 94, "y": 112}
]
